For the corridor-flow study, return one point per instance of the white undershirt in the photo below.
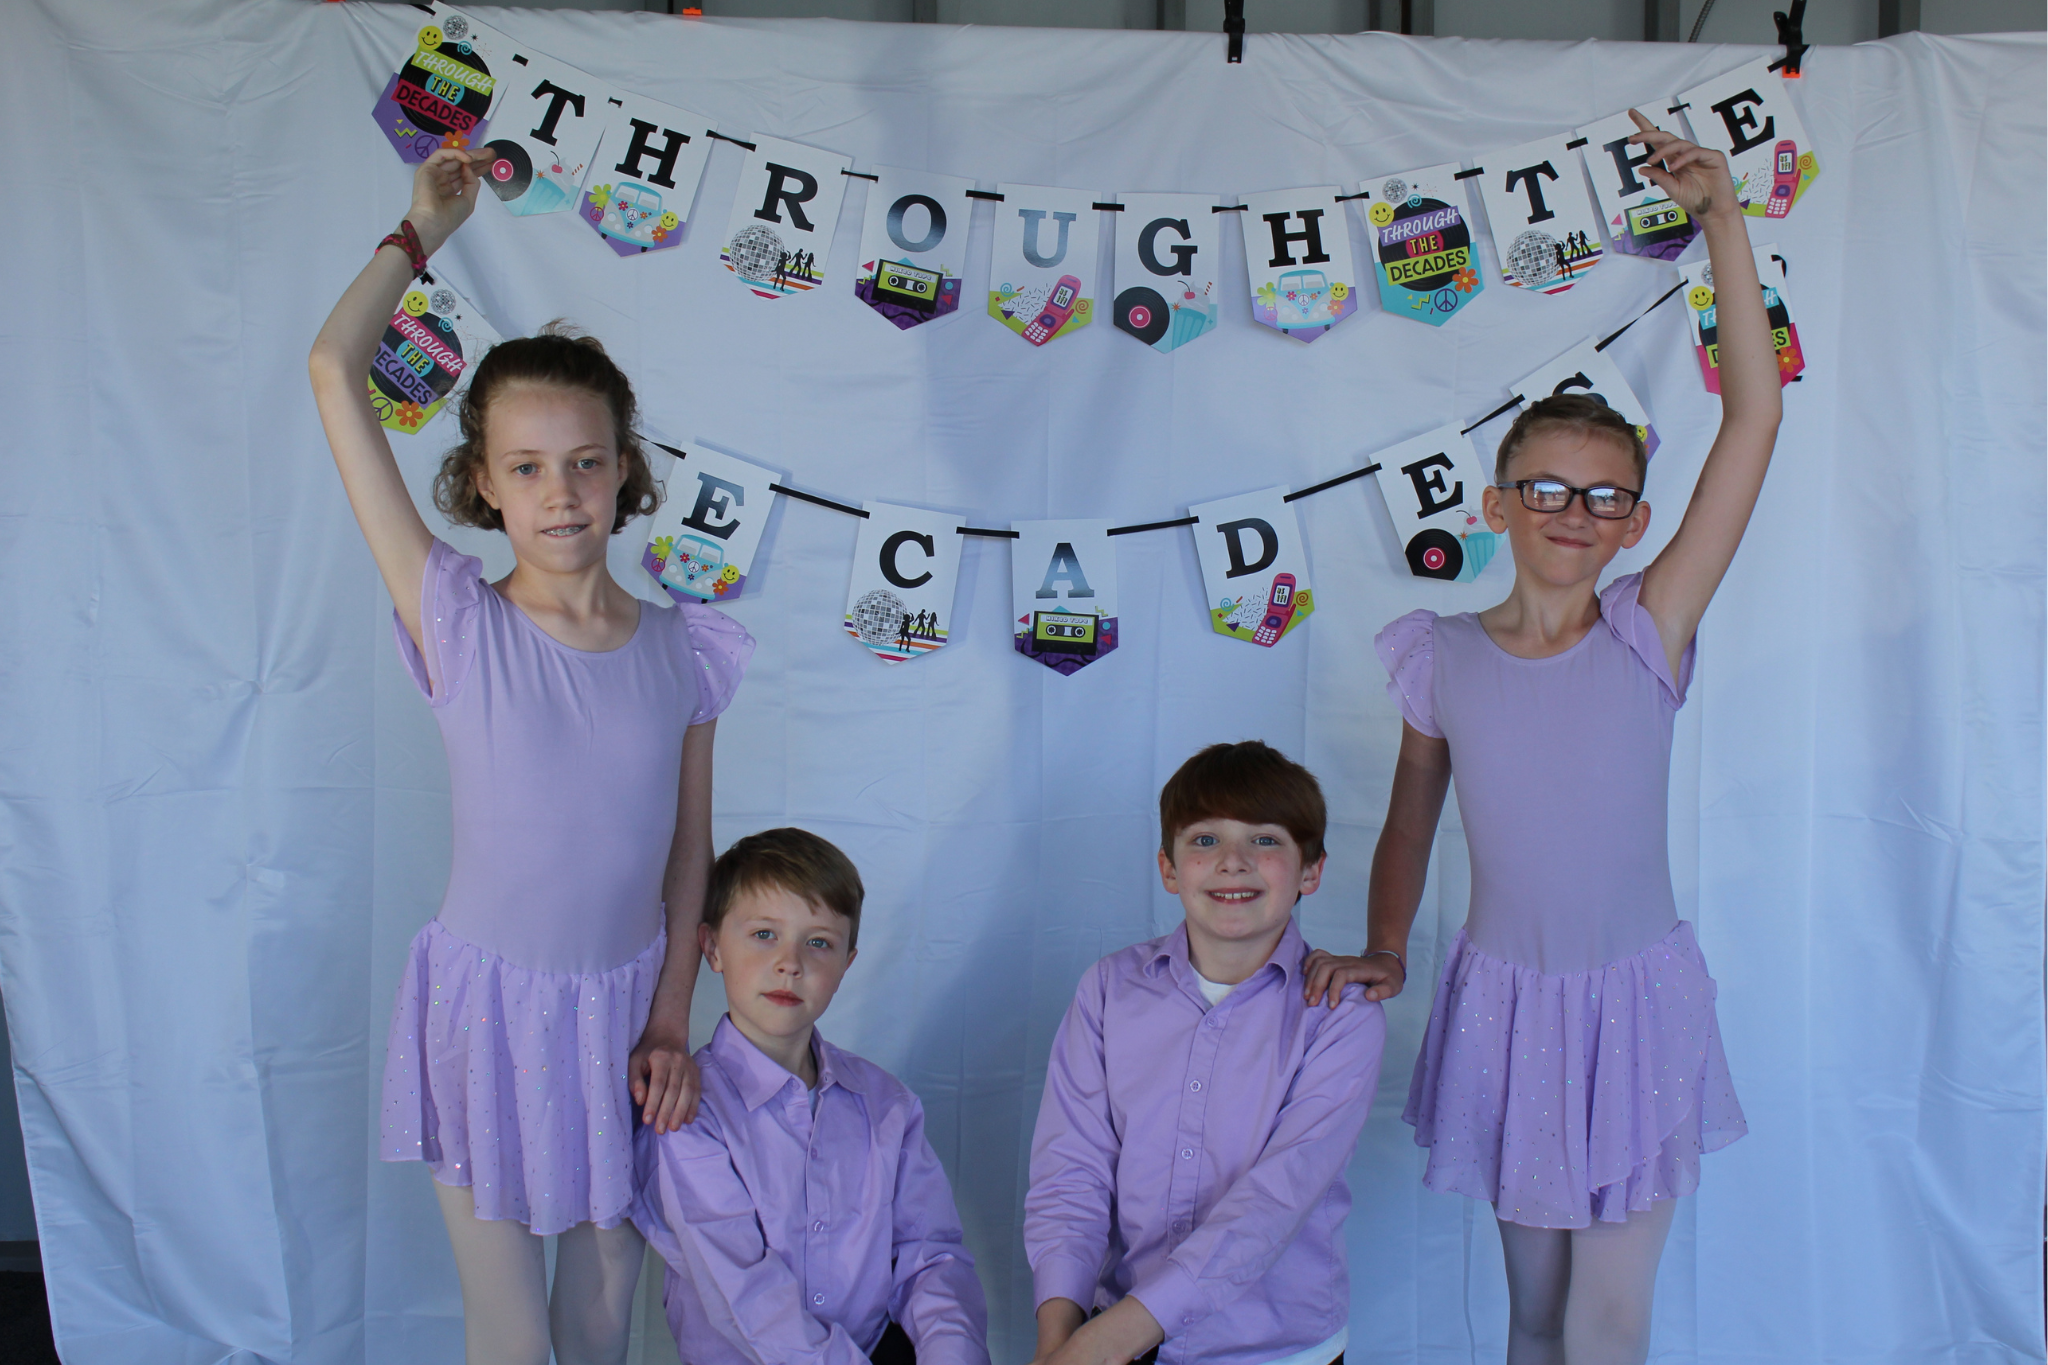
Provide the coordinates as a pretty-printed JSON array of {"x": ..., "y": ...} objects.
[
  {"x": 1213, "y": 992},
  {"x": 1319, "y": 1355}
]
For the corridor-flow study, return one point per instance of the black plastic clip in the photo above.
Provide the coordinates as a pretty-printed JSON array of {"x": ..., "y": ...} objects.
[
  {"x": 1794, "y": 40},
  {"x": 1233, "y": 25}
]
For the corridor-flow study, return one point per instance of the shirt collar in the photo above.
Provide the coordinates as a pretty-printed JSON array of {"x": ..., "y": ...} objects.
[
  {"x": 1172, "y": 951},
  {"x": 759, "y": 1078}
]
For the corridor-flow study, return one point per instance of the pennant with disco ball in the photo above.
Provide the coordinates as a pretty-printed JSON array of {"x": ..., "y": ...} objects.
[
  {"x": 1748, "y": 116},
  {"x": 913, "y": 244},
  {"x": 1641, "y": 220},
  {"x": 644, "y": 178},
  {"x": 905, "y": 567},
  {"x": 425, "y": 353},
  {"x": 1167, "y": 255},
  {"x": 1254, "y": 565},
  {"x": 702, "y": 541},
  {"x": 1583, "y": 369},
  {"x": 548, "y": 120},
  {"x": 442, "y": 95},
  {"x": 1544, "y": 229},
  {"x": 1041, "y": 272},
  {"x": 1433, "y": 486},
  {"x": 1702, "y": 316},
  {"x": 1063, "y": 590},
  {"x": 1421, "y": 243},
  {"x": 1297, "y": 251},
  {"x": 779, "y": 240}
]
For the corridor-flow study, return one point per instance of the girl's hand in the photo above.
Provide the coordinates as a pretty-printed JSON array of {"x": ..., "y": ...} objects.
[
  {"x": 444, "y": 191},
  {"x": 1696, "y": 179},
  {"x": 1381, "y": 974},
  {"x": 663, "y": 1078}
]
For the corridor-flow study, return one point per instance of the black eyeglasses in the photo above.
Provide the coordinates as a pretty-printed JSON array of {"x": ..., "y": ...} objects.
[{"x": 1605, "y": 500}]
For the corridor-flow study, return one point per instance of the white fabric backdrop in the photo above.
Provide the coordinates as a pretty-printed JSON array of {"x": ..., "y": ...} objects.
[{"x": 226, "y": 809}]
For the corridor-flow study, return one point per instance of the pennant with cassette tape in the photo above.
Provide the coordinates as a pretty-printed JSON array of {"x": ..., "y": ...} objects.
[
  {"x": 1545, "y": 231},
  {"x": 1641, "y": 219},
  {"x": 444, "y": 92},
  {"x": 701, "y": 543},
  {"x": 1167, "y": 256},
  {"x": 1748, "y": 115},
  {"x": 1702, "y": 316},
  {"x": 1063, "y": 590},
  {"x": 1255, "y": 566},
  {"x": 644, "y": 179},
  {"x": 426, "y": 353},
  {"x": 905, "y": 567},
  {"x": 1434, "y": 487},
  {"x": 779, "y": 239},
  {"x": 913, "y": 244},
  {"x": 549, "y": 118},
  {"x": 1042, "y": 269},
  {"x": 1297, "y": 251},
  {"x": 1422, "y": 243},
  {"x": 1584, "y": 369}
]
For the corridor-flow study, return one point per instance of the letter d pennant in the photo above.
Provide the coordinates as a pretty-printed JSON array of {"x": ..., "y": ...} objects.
[
  {"x": 905, "y": 566},
  {"x": 1254, "y": 565}
]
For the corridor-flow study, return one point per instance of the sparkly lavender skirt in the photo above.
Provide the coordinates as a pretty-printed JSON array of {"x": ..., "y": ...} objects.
[
  {"x": 1562, "y": 1099},
  {"x": 513, "y": 1081}
]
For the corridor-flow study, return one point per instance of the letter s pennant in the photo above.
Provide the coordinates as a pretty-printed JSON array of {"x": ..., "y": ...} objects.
[
  {"x": 701, "y": 544},
  {"x": 1433, "y": 486},
  {"x": 905, "y": 566},
  {"x": 779, "y": 240},
  {"x": 1254, "y": 565}
]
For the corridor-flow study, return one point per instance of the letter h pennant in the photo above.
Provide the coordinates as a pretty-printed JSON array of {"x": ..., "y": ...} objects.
[
  {"x": 1254, "y": 565},
  {"x": 643, "y": 180},
  {"x": 1297, "y": 251}
]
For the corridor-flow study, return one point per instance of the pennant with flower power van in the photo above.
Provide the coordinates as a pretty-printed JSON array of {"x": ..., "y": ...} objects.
[
  {"x": 1422, "y": 243},
  {"x": 1702, "y": 315},
  {"x": 1748, "y": 115},
  {"x": 1297, "y": 251},
  {"x": 1041, "y": 271},
  {"x": 1587, "y": 370},
  {"x": 1545, "y": 231},
  {"x": 1063, "y": 589},
  {"x": 701, "y": 544},
  {"x": 913, "y": 244},
  {"x": 425, "y": 354},
  {"x": 1167, "y": 257},
  {"x": 548, "y": 120},
  {"x": 779, "y": 239},
  {"x": 1433, "y": 486},
  {"x": 1641, "y": 219},
  {"x": 641, "y": 187},
  {"x": 443, "y": 93},
  {"x": 905, "y": 567},
  {"x": 1254, "y": 564}
]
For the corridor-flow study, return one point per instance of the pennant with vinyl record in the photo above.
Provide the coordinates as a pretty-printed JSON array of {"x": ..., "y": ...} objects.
[
  {"x": 425, "y": 353},
  {"x": 1297, "y": 251},
  {"x": 1422, "y": 243},
  {"x": 643, "y": 181},
  {"x": 1641, "y": 220},
  {"x": 905, "y": 567},
  {"x": 1433, "y": 486},
  {"x": 1041, "y": 271},
  {"x": 1254, "y": 564},
  {"x": 442, "y": 95},
  {"x": 1701, "y": 315},
  {"x": 1167, "y": 256},
  {"x": 913, "y": 244},
  {"x": 547, "y": 123},
  {"x": 1585, "y": 370},
  {"x": 1544, "y": 229},
  {"x": 702, "y": 541},
  {"x": 779, "y": 240},
  {"x": 1748, "y": 115},
  {"x": 1063, "y": 589}
]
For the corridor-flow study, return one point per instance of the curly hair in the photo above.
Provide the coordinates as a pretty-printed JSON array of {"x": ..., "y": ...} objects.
[
  {"x": 1584, "y": 413},
  {"x": 561, "y": 356}
]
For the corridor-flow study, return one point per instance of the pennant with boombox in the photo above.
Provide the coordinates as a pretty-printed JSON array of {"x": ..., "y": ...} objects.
[
  {"x": 913, "y": 245},
  {"x": 1167, "y": 256},
  {"x": 1747, "y": 115},
  {"x": 701, "y": 543},
  {"x": 1422, "y": 245},
  {"x": 905, "y": 566},
  {"x": 1702, "y": 316},
  {"x": 1044, "y": 258},
  {"x": 443, "y": 93},
  {"x": 547, "y": 122},
  {"x": 1063, "y": 590},
  {"x": 1586, "y": 369},
  {"x": 643, "y": 182},
  {"x": 1254, "y": 564},
  {"x": 1297, "y": 251},
  {"x": 1641, "y": 220},
  {"x": 425, "y": 353},
  {"x": 1544, "y": 230},
  {"x": 1434, "y": 486},
  {"x": 779, "y": 239}
]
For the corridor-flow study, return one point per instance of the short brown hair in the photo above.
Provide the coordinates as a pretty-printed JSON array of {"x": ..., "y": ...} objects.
[
  {"x": 567, "y": 359},
  {"x": 795, "y": 860},
  {"x": 1249, "y": 781},
  {"x": 1572, "y": 412}
]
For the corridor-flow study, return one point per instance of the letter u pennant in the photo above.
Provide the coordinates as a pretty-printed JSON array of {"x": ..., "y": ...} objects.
[
  {"x": 905, "y": 566},
  {"x": 1041, "y": 274},
  {"x": 1063, "y": 581},
  {"x": 1297, "y": 251},
  {"x": 1254, "y": 565},
  {"x": 780, "y": 238}
]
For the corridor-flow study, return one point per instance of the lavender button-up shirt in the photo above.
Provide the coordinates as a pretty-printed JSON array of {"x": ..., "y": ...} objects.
[
  {"x": 797, "y": 1238},
  {"x": 1194, "y": 1156}
]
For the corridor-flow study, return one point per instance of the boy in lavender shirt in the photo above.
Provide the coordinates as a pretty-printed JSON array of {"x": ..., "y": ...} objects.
[
  {"x": 1187, "y": 1175},
  {"x": 804, "y": 1218}
]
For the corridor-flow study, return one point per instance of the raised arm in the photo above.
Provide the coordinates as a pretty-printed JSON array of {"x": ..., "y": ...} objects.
[
  {"x": 444, "y": 190},
  {"x": 1678, "y": 586}
]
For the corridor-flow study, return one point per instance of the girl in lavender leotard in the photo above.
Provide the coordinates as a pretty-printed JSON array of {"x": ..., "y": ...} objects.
[
  {"x": 552, "y": 994},
  {"x": 1572, "y": 1070}
]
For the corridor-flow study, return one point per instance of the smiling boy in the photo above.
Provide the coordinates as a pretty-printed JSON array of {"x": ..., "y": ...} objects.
[
  {"x": 1187, "y": 1174},
  {"x": 804, "y": 1217}
]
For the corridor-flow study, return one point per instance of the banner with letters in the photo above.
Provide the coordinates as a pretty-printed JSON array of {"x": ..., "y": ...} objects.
[
  {"x": 913, "y": 245},
  {"x": 1167, "y": 257},
  {"x": 425, "y": 353},
  {"x": 1544, "y": 230},
  {"x": 643, "y": 182},
  {"x": 779, "y": 238},
  {"x": 547, "y": 122},
  {"x": 1422, "y": 245},
  {"x": 701, "y": 543},
  {"x": 905, "y": 566},
  {"x": 1041, "y": 272},
  {"x": 1254, "y": 564},
  {"x": 1297, "y": 251},
  {"x": 1641, "y": 220},
  {"x": 1702, "y": 316},
  {"x": 1747, "y": 115},
  {"x": 1063, "y": 592},
  {"x": 1586, "y": 369},
  {"x": 443, "y": 93},
  {"x": 1433, "y": 486}
]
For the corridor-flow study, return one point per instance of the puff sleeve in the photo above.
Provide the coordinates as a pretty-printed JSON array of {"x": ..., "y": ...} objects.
[
  {"x": 451, "y": 596},
  {"x": 721, "y": 648},
  {"x": 1631, "y": 623},
  {"x": 1408, "y": 649}
]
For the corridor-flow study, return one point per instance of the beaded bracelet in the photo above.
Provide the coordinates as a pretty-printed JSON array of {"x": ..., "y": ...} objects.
[{"x": 408, "y": 241}]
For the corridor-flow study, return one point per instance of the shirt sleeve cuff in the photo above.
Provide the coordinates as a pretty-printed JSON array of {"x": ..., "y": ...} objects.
[
  {"x": 1173, "y": 1298},
  {"x": 1064, "y": 1277}
]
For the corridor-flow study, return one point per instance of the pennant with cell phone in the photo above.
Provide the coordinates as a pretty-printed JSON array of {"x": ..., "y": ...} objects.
[
  {"x": 442, "y": 95},
  {"x": 1063, "y": 591},
  {"x": 1703, "y": 317},
  {"x": 548, "y": 120},
  {"x": 644, "y": 178},
  {"x": 1641, "y": 220},
  {"x": 779, "y": 239},
  {"x": 1434, "y": 487},
  {"x": 702, "y": 541},
  {"x": 1586, "y": 369},
  {"x": 913, "y": 244},
  {"x": 1254, "y": 564},
  {"x": 425, "y": 354},
  {"x": 1748, "y": 116},
  {"x": 1167, "y": 257},
  {"x": 1421, "y": 243},
  {"x": 1041, "y": 271},
  {"x": 905, "y": 567},
  {"x": 1297, "y": 251},
  {"x": 1545, "y": 231}
]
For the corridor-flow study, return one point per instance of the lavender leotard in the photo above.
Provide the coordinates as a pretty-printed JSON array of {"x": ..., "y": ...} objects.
[
  {"x": 522, "y": 1001},
  {"x": 1572, "y": 1069}
]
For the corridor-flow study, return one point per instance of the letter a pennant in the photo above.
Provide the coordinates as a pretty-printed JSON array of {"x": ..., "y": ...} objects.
[
  {"x": 1433, "y": 486},
  {"x": 780, "y": 237},
  {"x": 1063, "y": 584},
  {"x": 905, "y": 566},
  {"x": 1041, "y": 273},
  {"x": 1297, "y": 250},
  {"x": 1544, "y": 229},
  {"x": 644, "y": 178},
  {"x": 1254, "y": 565}
]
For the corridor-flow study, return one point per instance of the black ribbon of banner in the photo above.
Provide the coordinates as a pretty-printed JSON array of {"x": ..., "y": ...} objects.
[
  {"x": 713, "y": 132},
  {"x": 1640, "y": 316},
  {"x": 1467, "y": 175},
  {"x": 1229, "y": 208},
  {"x": 990, "y": 195},
  {"x": 861, "y": 175},
  {"x": 1491, "y": 415}
]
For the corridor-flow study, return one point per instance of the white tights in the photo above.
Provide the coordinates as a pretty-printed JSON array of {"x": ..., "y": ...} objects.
[
  {"x": 507, "y": 1315},
  {"x": 1581, "y": 1296}
]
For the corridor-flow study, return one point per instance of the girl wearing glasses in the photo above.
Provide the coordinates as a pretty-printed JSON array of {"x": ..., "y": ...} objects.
[{"x": 1572, "y": 1072}]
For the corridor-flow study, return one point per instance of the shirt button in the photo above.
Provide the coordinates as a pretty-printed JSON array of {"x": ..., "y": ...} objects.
[
  {"x": 817, "y": 1298},
  {"x": 1194, "y": 1085},
  {"x": 817, "y": 1227},
  {"x": 1187, "y": 1154},
  {"x": 814, "y": 1151}
]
